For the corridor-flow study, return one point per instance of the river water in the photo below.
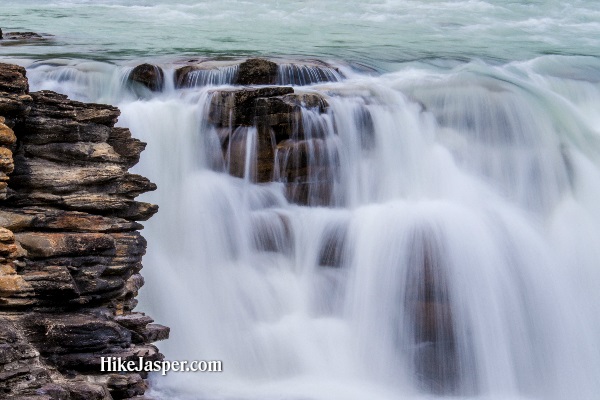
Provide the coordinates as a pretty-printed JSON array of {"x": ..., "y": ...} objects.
[{"x": 480, "y": 171}]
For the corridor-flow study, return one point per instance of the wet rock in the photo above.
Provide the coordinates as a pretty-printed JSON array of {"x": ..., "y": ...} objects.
[
  {"x": 44, "y": 245},
  {"x": 275, "y": 115},
  {"x": 81, "y": 390},
  {"x": 32, "y": 218},
  {"x": 7, "y": 135},
  {"x": 22, "y": 36},
  {"x": 126, "y": 386},
  {"x": 272, "y": 232},
  {"x": 75, "y": 333},
  {"x": 429, "y": 313},
  {"x": 238, "y": 106},
  {"x": 333, "y": 246},
  {"x": 309, "y": 168},
  {"x": 70, "y": 253},
  {"x": 13, "y": 79},
  {"x": 257, "y": 71},
  {"x": 148, "y": 75}
]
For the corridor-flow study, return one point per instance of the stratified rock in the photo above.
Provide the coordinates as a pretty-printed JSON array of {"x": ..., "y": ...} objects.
[
  {"x": 70, "y": 253},
  {"x": 46, "y": 218},
  {"x": 12, "y": 79},
  {"x": 257, "y": 71},
  {"x": 238, "y": 106},
  {"x": 7, "y": 135},
  {"x": 148, "y": 75},
  {"x": 20, "y": 366}
]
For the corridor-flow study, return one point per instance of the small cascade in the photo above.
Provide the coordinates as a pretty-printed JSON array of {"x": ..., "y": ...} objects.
[
  {"x": 306, "y": 74},
  {"x": 421, "y": 234},
  {"x": 192, "y": 78}
]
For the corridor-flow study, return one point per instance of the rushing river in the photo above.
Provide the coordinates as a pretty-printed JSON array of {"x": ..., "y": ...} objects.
[{"x": 466, "y": 141}]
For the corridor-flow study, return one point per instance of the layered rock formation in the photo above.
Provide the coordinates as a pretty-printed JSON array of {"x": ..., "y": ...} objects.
[
  {"x": 70, "y": 247},
  {"x": 287, "y": 147}
]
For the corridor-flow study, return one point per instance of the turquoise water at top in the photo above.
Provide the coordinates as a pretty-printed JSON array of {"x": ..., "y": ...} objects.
[{"x": 375, "y": 32}]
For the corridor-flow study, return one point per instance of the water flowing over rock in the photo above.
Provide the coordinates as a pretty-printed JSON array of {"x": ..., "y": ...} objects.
[
  {"x": 70, "y": 250},
  {"x": 255, "y": 72},
  {"x": 265, "y": 138},
  {"x": 148, "y": 75}
]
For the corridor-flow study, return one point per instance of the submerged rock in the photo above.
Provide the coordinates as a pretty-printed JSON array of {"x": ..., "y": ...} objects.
[{"x": 22, "y": 36}]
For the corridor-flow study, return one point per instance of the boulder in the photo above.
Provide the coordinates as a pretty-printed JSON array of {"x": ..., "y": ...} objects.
[
  {"x": 257, "y": 71},
  {"x": 149, "y": 76}
]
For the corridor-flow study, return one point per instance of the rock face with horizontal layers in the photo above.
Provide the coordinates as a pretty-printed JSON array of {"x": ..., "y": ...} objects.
[
  {"x": 287, "y": 146},
  {"x": 70, "y": 248}
]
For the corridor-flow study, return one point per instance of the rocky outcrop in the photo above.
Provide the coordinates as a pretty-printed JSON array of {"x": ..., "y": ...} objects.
[
  {"x": 287, "y": 147},
  {"x": 70, "y": 247}
]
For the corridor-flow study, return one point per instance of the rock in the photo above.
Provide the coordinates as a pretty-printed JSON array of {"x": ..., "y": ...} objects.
[
  {"x": 20, "y": 367},
  {"x": 70, "y": 253},
  {"x": 13, "y": 79},
  {"x": 272, "y": 232},
  {"x": 155, "y": 332},
  {"x": 7, "y": 135},
  {"x": 257, "y": 71},
  {"x": 149, "y": 76},
  {"x": 34, "y": 173},
  {"x": 22, "y": 36},
  {"x": 127, "y": 147},
  {"x": 309, "y": 168},
  {"x": 75, "y": 333},
  {"x": 181, "y": 75},
  {"x": 81, "y": 390},
  {"x": 126, "y": 386},
  {"x": 75, "y": 152},
  {"x": 333, "y": 246},
  {"x": 48, "y": 218},
  {"x": 44, "y": 245},
  {"x": 238, "y": 106}
]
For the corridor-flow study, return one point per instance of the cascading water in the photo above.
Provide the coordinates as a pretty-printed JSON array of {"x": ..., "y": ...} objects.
[{"x": 455, "y": 253}]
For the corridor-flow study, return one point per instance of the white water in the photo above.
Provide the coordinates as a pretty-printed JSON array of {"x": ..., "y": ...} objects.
[
  {"x": 473, "y": 164},
  {"x": 489, "y": 175}
]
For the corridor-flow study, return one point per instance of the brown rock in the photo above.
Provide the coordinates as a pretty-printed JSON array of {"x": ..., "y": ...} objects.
[
  {"x": 148, "y": 75},
  {"x": 74, "y": 152},
  {"x": 43, "y": 244},
  {"x": 238, "y": 106},
  {"x": 6, "y": 162},
  {"x": 31, "y": 218},
  {"x": 127, "y": 147},
  {"x": 257, "y": 71},
  {"x": 7, "y": 135},
  {"x": 13, "y": 79}
]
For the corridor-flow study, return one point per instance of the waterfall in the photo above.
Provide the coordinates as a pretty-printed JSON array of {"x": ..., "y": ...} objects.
[{"x": 455, "y": 253}]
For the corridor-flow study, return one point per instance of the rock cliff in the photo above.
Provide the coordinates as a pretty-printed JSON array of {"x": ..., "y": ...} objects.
[{"x": 70, "y": 247}]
